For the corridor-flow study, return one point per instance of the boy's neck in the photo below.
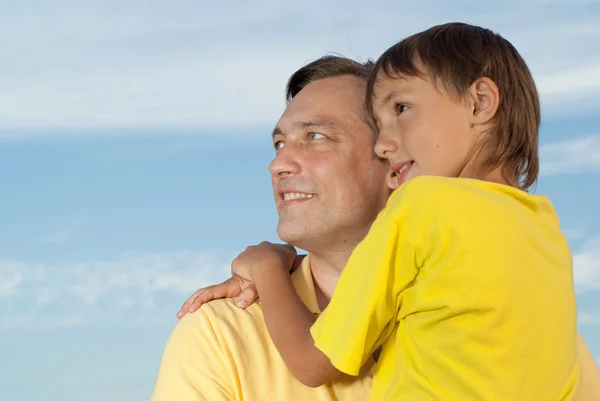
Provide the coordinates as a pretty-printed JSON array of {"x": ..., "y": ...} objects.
[
  {"x": 497, "y": 176},
  {"x": 473, "y": 170}
]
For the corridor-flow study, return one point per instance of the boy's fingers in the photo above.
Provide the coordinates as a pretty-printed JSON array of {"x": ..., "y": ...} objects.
[
  {"x": 247, "y": 297},
  {"x": 189, "y": 301},
  {"x": 186, "y": 305},
  {"x": 227, "y": 289},
  {"x": 194, "y": 306}
]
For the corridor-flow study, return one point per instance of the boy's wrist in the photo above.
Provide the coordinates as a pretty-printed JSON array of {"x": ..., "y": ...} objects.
[{"x": 268, "y": 271}]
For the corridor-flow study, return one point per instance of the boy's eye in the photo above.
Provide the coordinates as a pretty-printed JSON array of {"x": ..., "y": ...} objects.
[
  {"x": 400, "y": 108},
  {"x": 278, "y": 145},
  {"x": 315, "y": 135}
]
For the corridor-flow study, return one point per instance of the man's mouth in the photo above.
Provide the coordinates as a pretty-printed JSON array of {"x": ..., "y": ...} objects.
[{"x": 288, "y": 196}]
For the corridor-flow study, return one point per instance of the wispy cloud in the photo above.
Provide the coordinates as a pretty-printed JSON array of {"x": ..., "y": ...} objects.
[
  {"x": 573, "y": 234},
  {"x": 14, "y": 274},
  {"x": 130, "y": 288},
  {"x": 587, "y": 318},
  {"x": 190, "y": 65},
  {"x": 573, "y": 156},
  {"x": 586, "y": 264},
  {"x": 571, "y": 81}
]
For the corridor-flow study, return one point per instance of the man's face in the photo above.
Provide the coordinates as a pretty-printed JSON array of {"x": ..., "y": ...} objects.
[{"x": 328, "y": 183}]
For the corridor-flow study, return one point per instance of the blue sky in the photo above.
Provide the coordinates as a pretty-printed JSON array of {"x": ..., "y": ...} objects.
[{"x": 134, "y": 145}]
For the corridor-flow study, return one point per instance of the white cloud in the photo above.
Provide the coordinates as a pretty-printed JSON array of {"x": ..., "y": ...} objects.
[
  {"x": 586, "y": 264},
  {"x": 131, "y": 289},
  {"x": 46, "y": 296},
  {"x": 187, "y": 65},
  {"x": 573, "y": 156},
  {"x": 575, "y": 80},
  {"x": 14, "y": 274},
  {"x": 572, "y": 90},
  {"x": 587, "y": 318},
  {"x": 573, "y": 235}
]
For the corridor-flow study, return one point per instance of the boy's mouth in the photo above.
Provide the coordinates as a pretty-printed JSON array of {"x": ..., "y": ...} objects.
[{"x": 400, "y": 173}]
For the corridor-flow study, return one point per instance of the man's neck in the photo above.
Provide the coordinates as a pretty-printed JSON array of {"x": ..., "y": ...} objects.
[{"x": 326, "y": 269}]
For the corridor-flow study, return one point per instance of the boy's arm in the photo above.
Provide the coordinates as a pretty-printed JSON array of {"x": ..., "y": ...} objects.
[
  {"x": 358, "y": 318},
  {"x": 289, "y": 321},
  {"x": 364, "y": 307}
]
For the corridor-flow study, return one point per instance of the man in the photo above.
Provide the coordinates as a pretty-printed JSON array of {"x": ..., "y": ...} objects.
[{"x": 333, "y": 186}]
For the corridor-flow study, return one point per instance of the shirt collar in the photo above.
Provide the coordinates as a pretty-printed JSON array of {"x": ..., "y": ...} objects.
[{"x": 302, "y": 279}]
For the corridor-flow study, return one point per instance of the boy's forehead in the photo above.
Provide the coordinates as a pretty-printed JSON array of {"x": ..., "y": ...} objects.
[{"x": 386, "y": 88}]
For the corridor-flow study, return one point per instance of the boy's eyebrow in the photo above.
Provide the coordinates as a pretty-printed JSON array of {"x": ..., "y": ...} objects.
[
  {"x": 405, "y": 91},
  {"x": 303, "y": 124},
  {"x": 386, "y": 99}
]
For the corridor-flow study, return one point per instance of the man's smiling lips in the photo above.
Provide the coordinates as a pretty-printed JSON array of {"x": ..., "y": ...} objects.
[{"x": 291, "y": 197}]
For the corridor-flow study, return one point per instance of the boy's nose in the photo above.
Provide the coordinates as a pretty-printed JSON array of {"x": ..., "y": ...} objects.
[{"x": 385, "y": 147}]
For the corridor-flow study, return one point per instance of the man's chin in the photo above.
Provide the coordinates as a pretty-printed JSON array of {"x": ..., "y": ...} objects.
[{"x": 292, "y": 233}]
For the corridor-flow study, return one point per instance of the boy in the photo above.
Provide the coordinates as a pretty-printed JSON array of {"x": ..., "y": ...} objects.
[{"x": 464, "y": 280}]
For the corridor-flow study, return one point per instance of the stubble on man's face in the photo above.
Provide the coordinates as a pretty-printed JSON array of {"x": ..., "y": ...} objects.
[{"x": 328, "y": 184}]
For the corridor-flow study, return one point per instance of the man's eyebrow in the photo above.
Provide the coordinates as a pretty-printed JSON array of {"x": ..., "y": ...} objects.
[
  {"x": 277, "y": 131},
  {"x": 304, "y": 124}
]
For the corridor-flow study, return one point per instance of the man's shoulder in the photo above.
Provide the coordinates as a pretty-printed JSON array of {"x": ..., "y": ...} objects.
[
  {"x": 220, "y": 316},
  {"x": 223, "y": 316}
]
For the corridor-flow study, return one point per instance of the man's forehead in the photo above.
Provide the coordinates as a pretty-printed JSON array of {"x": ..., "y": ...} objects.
[
  {"x": 325, "y": 103},
  {"x": 331, "y": 88}
]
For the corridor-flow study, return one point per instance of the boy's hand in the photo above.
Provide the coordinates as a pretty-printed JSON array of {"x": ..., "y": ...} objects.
[
  {"x": 263, "y": 256},
  {"x": 233, "y": 287}
]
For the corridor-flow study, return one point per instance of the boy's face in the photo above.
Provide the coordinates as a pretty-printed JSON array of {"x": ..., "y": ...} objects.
[{"x": 423, "y": 130}]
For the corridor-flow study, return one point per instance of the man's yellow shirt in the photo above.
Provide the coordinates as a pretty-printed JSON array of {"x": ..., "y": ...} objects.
[
  {"x": 224, "y": 353},
  {"x": 468, "y": 287}
]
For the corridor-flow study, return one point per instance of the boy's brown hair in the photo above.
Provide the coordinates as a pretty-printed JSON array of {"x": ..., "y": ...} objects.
[{"x": 454, "y": 56}]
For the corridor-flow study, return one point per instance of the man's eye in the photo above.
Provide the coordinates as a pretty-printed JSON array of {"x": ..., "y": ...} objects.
[
  {"x": 400, "y": 108},
  {"x": 315, "y": 135},
  {"x": 278, "y": 145}
]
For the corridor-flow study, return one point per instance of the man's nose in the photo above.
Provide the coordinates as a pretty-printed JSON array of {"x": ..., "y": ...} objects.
[
  {"x": 385, "y": 146},
  {"x": 285, "y": 163}
]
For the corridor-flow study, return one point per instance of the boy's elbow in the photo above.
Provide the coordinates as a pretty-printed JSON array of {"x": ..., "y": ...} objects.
[
  {"x": 314, "y": 377},
  {"x": 311, "y": 380},
  {"x": 311, "y": 367}
]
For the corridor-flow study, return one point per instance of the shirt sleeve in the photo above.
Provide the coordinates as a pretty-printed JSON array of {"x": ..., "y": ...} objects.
[
  {"x": 363, "y": 309},
  {"x": 192, "y": 367}
]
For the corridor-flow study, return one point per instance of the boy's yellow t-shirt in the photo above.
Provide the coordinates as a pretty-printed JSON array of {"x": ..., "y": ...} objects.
[{"x": 468, "y": 287}]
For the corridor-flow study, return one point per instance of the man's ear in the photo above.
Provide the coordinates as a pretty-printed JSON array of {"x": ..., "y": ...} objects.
[{"x": 485, "y": 99}]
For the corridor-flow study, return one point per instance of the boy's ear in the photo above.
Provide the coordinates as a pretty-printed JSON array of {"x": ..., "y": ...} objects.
[{"x": 485, "y": 99}]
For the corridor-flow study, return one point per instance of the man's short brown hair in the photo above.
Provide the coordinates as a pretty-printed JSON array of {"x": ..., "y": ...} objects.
[
  {"x": 326, "y": 67},
  {"x": 455, "y": 55},
  {"x": 331, "y": 67}
]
